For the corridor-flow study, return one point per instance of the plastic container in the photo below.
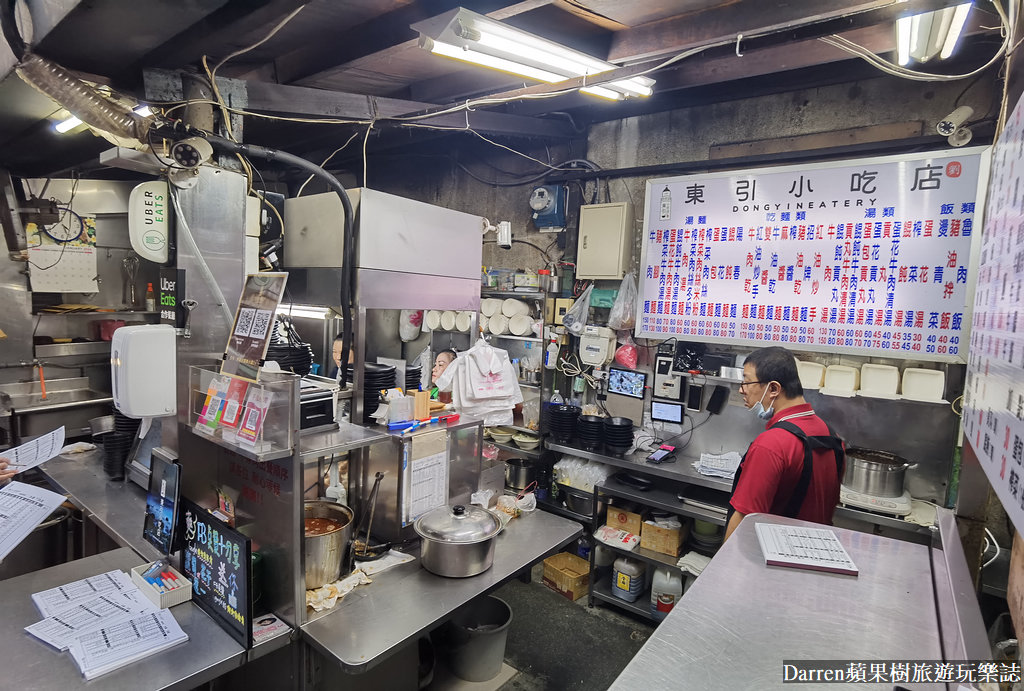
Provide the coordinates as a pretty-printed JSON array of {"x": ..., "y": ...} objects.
[
  {"x": 666, "y": 589},
  {"x": 477, "y": 636},
  {"x": 879, "y": 380},
  {"x": 841, "y": 380},
  {"x": 627, "y": 579},
  {"x": 812, "y": 374},
  {"x": 923, "y": 384}
]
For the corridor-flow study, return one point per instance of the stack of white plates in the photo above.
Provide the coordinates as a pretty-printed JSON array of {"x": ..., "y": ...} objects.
[
  {"x": 490, "y": 306},
  {"x": 432, "y": 319},
  {"x": 511, "y": 307},
  {"x": 498, "y": 324},
  {"x": 448, "y": 320},
  {"x": 463, "y": 320}
]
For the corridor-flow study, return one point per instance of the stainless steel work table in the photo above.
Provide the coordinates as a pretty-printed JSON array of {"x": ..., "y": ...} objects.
[
  {"x": 31, "y": 664},
  {"x": 738, "y": 622},
  {"x": 376, "y": 620},
  {"x": 117, "y": 507}
]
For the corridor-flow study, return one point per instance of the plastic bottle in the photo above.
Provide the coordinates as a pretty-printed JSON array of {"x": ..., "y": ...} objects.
[
  {"x": 666, "y": 590},
  {"x": 627, "y": 579},
  {"x": 551, "y": 354},
  {"x": 150, "y": 298},
  {"x": 556, "y": 398}
]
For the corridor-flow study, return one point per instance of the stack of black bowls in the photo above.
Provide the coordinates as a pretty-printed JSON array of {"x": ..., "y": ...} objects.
[
  {"x": 117, "y": 444},
  {"x": 375, "y": 378},
  {"x": 562, "y": 422},
  {"x": 618, "y": 435},
  {"x": 590, "y": 432},
  {"x": 412, "y": 379}
]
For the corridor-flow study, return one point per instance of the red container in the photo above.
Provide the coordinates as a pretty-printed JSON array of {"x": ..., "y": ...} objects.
[{"x": 103, "y": 329}]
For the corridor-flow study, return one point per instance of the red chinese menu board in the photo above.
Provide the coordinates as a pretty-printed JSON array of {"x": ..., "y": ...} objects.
[
  {"x": 994, "y": 392},
  {"x": 869, "y": 256}
]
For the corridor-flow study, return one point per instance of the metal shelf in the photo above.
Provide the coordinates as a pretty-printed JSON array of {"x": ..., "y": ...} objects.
[
  {"x": 528, "y": 294},
  {"x": 258, "y": 457},
  {"x": 510, "y": 337},
  {"x": 71, "y": 349},
  {"x": 511, "y": 448},
  {"x": 91, "y": 313},
  {"x": 341, "y": 440},
  {"x": 659, "y": 498},
  {"x": 602, "y": 590},
  {"x": 559, "y": 510},
  {"x": 647, "y": 555}
]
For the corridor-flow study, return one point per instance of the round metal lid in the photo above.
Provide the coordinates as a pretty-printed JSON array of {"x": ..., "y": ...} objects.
[{"x": 458, "y": 523}]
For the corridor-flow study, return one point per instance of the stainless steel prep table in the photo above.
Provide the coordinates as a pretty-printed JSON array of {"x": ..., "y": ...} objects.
[
  {"x": 116, "y": 507},
  {"x": 739, "y": 621},
  {"x": 374, "y": 621},
  {"x": 31, "y": 664}
]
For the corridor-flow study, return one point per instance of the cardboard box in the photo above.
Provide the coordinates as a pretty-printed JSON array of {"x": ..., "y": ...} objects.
[
  {"x": 624, "y": 520},
  {"x": 664, "y": 540},
  {"x": 567, "y": 574}
]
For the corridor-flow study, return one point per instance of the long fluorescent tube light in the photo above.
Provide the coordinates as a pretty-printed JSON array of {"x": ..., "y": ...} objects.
[
  {"x": 921, "y": 37},
  {"x": 474, "y": 38},
  {"x": 73, "y": 122}
]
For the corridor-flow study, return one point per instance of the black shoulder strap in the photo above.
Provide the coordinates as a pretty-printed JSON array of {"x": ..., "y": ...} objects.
[{"x": 831, "y": 442}]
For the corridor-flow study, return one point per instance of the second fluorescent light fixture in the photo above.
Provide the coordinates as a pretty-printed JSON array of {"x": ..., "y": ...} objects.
[
  {"x": 923, "y": 36},
  {"x": 474, "y": 38}
]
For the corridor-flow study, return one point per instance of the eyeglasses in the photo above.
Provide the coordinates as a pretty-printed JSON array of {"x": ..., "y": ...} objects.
[{"x": 748, "y": 383}]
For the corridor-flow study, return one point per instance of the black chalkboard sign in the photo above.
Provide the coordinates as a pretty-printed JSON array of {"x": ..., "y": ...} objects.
[{"x": 217, "y": 559}]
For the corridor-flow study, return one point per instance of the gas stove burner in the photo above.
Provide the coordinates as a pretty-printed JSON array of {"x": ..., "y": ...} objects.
[{"x": 892, "y": 506}]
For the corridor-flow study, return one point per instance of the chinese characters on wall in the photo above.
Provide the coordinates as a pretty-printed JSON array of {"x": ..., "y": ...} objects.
[
  {"x": 994, "y": 392},
  {"x": 870, "y": 255}
]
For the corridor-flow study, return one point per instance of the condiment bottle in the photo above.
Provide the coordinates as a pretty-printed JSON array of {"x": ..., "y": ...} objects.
[{"x": 150, "y": 298}]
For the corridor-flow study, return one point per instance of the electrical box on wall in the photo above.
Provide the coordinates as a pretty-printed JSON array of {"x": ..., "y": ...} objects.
[
  {"x": 606, "y": 234},
  {"x": 548, "y": 205}
]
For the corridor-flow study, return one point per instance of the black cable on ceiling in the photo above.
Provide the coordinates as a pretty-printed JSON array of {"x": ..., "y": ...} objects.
[{"x": 9, "y": 25}]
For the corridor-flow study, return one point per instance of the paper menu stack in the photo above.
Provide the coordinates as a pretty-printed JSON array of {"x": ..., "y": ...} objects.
[
  {"x": 60, "y": 629},
  {"x": 125, "y": 642},
  {"x": 22, "y": 508},
  {"x": 817, "y": 549},
  {"x": 63, "y": 597}
]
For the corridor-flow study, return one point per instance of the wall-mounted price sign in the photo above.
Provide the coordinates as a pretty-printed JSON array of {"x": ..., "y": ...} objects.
[{"x": 217, "y": 559}]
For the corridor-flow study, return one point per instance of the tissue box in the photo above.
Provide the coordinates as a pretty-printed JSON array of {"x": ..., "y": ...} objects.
[
  {"x": 624, "y": 520},
  {"x": 664, "y": 540},
  {"x": 168, "y": 598}
]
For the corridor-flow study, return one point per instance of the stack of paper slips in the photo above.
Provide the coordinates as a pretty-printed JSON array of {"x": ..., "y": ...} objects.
[
  {"x": 104, "y": 621},
  {"x": 718, "y": 465}
]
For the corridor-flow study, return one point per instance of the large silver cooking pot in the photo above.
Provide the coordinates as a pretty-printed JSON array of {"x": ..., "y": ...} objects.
[
  {"x": 877, "y": 473},
  {"x": 457, "y": 541},
  {"x": 325, "y": 553},
  {"x": 520, "y": 472}
]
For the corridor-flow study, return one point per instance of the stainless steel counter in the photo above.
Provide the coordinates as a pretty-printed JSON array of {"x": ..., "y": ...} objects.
[
  {"x": 31, "y": 664},
  {"x": 118, "y": 508},
  {"x": 376, "y": 620},
  {"x": 738, "y": 622}
]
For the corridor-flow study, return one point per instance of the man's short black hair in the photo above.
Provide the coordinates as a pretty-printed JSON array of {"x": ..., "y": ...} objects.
[
  {"x": 777, "y": 364},
  {"x": 339, "y": 337}
]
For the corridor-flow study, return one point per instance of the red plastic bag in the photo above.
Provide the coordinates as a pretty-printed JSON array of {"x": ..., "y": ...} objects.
[{"x": 627, "y": 355}]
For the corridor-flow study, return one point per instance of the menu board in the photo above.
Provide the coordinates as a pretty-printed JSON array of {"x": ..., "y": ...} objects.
[
  {"x": 870, "y": 256},
  {"x": 994, "y": 392},
  {"x": 217, "y": 561}
]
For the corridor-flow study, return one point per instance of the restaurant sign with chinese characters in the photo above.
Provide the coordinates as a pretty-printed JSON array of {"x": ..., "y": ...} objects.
[
  {"x": 994, "y": 391},
  {"x": 870, "y": 256}
]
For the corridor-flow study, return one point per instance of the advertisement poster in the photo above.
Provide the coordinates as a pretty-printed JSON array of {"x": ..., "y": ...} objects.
[
  {"x": 254, "y": 322},
  {"x": 871, "y": 256}
]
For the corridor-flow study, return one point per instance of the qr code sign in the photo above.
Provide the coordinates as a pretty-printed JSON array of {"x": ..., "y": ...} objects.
[
  {"x": 245, "y": 319},
  {"x": 261, "y": 323}
]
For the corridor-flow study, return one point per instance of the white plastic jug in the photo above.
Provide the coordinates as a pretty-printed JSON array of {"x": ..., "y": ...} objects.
[
  {"x": 627, "y": 579},
  {"x": 666, "y": 590}
]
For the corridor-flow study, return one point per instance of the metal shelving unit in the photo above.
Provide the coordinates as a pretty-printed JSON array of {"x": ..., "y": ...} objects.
[
  {"x": 660, "y": 498},
  {"x": 511, "y": 448},
  {"x": 602, "y": 590}
]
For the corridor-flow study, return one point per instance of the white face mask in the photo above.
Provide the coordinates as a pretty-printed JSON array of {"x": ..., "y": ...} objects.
[{"x": 759, "y": 409}]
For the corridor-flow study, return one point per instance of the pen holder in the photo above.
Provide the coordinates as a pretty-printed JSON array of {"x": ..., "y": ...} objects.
[{"x": 167, "y": 598}]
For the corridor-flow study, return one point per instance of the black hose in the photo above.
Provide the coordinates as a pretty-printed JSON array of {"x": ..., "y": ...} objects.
[
  {"x": 348, "y": 261},
  {"x": 9, "y": 25}
]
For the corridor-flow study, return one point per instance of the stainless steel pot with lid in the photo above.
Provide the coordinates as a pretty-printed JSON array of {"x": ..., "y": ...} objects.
[
  {"x": 458, "y": 541},
  {"x": 875, "y": 473}
]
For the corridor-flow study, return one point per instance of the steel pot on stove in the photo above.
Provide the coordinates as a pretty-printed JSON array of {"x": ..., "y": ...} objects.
[{"x": 875, "y": 473}]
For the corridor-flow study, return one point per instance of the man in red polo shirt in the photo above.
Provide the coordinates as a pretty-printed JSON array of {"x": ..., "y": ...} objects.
[{"x": 793, "y": 468}]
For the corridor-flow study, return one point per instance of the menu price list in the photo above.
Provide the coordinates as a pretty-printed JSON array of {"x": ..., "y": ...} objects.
[{"x": 888, "y": 267}]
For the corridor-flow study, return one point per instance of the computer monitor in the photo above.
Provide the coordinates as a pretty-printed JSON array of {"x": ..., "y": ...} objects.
[
  {"x": 665, "y": 411},
  {"x": 626, "y": 382}
]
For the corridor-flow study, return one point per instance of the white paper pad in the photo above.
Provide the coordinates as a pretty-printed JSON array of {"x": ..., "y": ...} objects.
[
  {"x": 22, "y": 508},
  {"x": 115, "y": 646},
  {"x": 95, "y": 613},
  {"x": 718, "y": 465},
  {"x": 39, "y": 450},
  {"x": 60, "y": 599},
  {"x": 804, "y": 548}
]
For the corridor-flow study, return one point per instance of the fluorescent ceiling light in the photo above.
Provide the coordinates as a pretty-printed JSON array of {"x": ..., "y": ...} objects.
[
  {"x": 923, "y": 36},
  {"x": 307, "y": 311},
  {"x": 474, "y": 38},
  {"x": 73, "y": 122}
]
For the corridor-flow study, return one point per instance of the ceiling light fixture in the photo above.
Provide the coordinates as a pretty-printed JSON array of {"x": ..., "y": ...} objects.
[
  {"x": 923, "y": 36},
  {"x": 73, "y": 122},
  {"x": 474, "y": 38}
]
